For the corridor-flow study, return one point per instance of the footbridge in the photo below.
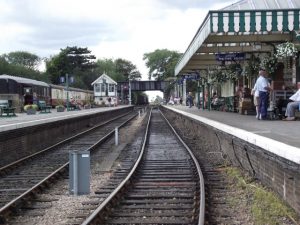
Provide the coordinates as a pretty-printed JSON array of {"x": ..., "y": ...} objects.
[{"x": 143, "y": 86}]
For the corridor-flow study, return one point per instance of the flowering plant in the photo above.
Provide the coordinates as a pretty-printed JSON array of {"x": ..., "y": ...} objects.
[
  {"x": 30, "y": 106},
  {"x": 285, "y": 50},
  {"x": 269, "y": 63}
]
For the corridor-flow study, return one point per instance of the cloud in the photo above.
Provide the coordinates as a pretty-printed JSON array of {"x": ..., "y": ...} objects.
[{"x": 111, "y": 29}]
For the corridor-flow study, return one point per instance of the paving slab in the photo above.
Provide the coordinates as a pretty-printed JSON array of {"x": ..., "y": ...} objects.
[
  {"x": 24, "y": 120},
  {"x": 287, "y": 132}
]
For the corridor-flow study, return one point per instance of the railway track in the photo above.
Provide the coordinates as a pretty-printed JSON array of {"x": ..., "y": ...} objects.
[
  {"x": 219, "y": 191},
  {"x": 109, "y": 166},
  {"x": 165, "y": 185},
  {"x": 21, "y": 180}
]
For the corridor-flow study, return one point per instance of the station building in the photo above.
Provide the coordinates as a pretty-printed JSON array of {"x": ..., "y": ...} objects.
[
  {"x": 105, "y": 88},
  {"x": 232, "y": 43}
]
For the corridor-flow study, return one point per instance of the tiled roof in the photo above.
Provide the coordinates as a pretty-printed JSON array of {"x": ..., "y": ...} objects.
[
  {"x": 263, "y": 4},
  {"x": 23, "y": 80}
]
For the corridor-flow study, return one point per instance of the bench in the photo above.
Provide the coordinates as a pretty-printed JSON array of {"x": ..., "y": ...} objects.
[
  {"x": 6, "y": 110},
  {"x": 219, "y": 104},
  {"x": 73, "y": 107},
  {"x": 281, "y": 99},
  {"x": 44, "y": 107},
  {"x": 231, "y": 103}
]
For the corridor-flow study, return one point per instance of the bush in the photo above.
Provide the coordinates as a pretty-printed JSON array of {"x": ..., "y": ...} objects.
[
  {"x": 30, "y": 106},
  {"x": 59, "y": 106}
]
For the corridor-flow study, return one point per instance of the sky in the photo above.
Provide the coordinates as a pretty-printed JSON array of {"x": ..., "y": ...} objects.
[{"x": 109, "y": 28}]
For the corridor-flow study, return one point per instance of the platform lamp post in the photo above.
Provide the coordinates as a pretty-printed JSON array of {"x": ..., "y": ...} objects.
[
  {"x": 129, "y": 87},
  {"x": 203, "y": 93},
  {"x": 67, "y": 80},
  {"x": 198, "y": 90}
]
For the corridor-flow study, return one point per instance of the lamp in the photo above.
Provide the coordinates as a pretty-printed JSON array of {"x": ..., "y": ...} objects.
[{"x": 67, "y": 80}]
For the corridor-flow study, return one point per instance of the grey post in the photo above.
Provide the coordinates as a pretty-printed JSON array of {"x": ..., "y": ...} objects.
[
  {"x": 75, "y": 173},
  {"x": 79, "y": 172},
  {"x": 116, "y": 136}
]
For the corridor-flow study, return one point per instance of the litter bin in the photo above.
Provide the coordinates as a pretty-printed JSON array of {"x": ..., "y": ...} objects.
[{"x": 79, "y": 172}]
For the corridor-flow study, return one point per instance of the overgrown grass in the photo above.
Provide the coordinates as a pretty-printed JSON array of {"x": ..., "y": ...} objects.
[{"x": 266, "y": 207}]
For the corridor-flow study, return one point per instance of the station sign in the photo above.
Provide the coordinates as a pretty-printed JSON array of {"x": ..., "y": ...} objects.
[
  {"x": 191, "y": 76},
  {"x": 231, "y": 57}
]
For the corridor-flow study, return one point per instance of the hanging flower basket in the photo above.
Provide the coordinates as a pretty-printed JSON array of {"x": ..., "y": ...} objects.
[
  {"x": 270, "y": 64},
  {"x": 286, "y": 50}
]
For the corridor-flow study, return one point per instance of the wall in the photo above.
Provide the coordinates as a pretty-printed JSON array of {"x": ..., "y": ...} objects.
[
  {"x": 18, "y": 143},
  {"x": 280, "y": 174}
]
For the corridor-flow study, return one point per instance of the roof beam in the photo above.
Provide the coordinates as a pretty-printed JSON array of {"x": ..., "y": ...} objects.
[
  {"x": 226, "y": 49},
  {"x": 278, "y": 37}
]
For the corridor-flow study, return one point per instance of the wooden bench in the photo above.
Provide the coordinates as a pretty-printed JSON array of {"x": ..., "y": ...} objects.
[
  {"x": 73, "y": 107},
  {"x": 6, "y": 110},
  {"x": 231, "y": 103},
  {"x": 283, "y": 96},
  {"x": 44, "y": 107},
  {"x": 219, "y": 104}
]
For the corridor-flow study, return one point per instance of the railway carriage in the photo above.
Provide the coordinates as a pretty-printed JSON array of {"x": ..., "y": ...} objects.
[
  {"x": 59, "y": 95},
  {"x": 21, "y": 91}
]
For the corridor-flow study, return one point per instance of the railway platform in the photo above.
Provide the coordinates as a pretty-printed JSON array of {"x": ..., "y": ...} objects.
[
  {"x": 23, "y": 120},
  {"x": 269, "y": 150},
  {"x": 286, "y": 132}
]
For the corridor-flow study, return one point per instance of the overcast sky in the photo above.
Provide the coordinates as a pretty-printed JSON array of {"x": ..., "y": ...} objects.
[{"x": 110, "y": 28}]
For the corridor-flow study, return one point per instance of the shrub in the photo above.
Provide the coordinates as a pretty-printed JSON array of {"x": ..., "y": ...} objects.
[
  {"x": 31, "y": 106},
  {"x": 59, "y": 106}
]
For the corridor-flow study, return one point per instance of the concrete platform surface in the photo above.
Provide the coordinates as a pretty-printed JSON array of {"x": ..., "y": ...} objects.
[
  {"x": 24, "y": 120},
  {"x": 287, "y": 132}
]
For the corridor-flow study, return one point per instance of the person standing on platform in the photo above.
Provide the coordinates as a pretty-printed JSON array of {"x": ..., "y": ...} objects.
[
  {"x": 255, "y": 94},
  {"x": 109, "y": 101},
  {"x": 190, "y": 99},
  {"x": 263, "y": 89},
  {"x": 291, "y": 106}
]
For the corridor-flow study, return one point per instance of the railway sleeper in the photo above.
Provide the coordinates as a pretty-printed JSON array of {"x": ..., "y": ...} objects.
[{"x": 145, "y": 220}]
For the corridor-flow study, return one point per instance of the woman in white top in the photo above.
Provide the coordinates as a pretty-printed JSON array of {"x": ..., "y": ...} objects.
[{"x": 255, "y": 94}]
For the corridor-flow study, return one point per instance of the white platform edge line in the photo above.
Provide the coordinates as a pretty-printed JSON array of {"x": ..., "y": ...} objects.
[
  {"x": 281, "y": 149},
  {"x": 6, "y": 127}
]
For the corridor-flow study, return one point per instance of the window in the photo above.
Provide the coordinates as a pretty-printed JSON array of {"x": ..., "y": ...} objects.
[
  {"x": 103, "y": 87},
  {"x": 97, "y": 88},
  {"x": 111, "y": 88}
]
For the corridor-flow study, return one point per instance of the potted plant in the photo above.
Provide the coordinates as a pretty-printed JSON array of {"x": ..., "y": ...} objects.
[
  {"x": 60, "y": 108},
  {"x": 30, "y": 109}
]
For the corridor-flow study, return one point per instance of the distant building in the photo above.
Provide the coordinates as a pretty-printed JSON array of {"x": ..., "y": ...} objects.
[{"x": 105, "y": 88}]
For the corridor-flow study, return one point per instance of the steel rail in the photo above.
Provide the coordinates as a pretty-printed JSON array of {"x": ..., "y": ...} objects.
[
  {"x": 5, "y": 210},
  {"x": 20, "y": 161},
  {"x": 201, "y": 178},
  {"x": 94, "y": 216}
]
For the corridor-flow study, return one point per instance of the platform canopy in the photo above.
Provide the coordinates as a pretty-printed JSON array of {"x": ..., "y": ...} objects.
[{"x": 244, "y": 27}]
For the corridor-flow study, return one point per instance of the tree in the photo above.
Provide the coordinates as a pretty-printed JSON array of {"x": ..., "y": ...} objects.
[
  {"x": 158, "y": 100},
  {"x": 161, "y": 63},
  {"x": 108, "y": 66},
  {"x": 72, "y": 60},
  {"x": 128, "y": 69},
  {"x": 21, "y": 71},
  {"x": 22, "y": 58}
]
